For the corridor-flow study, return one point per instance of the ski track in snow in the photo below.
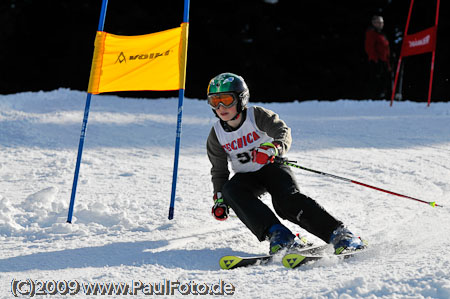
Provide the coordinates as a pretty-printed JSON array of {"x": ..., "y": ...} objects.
[{"x": 120, "y": 230}]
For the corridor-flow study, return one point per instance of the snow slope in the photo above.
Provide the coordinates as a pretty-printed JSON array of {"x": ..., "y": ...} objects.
[{"x": 120, "y": 230}]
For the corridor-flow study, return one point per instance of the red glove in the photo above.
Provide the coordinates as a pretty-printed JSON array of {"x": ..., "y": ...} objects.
[
  {"x": 220, "y": 210},
  {"x": 265, "y": 153}
]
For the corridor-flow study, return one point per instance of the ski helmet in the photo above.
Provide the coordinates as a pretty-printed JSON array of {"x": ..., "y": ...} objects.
[{"x": 230, "y": 83}]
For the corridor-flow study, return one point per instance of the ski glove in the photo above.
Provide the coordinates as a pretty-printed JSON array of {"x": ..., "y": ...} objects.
[
  {"x": 220, "y": 210},
  {"x": 265, "y": 153}
]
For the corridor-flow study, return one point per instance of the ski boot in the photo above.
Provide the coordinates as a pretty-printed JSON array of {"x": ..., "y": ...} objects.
[
  {"x": 343, "y": 240},
  {"x": 281, "y": 237}
]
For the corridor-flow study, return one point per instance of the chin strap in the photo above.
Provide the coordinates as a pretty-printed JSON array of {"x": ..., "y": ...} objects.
[{"x": 236, "y": 116}]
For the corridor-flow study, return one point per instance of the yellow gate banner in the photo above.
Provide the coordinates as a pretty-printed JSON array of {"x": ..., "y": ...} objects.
[{"x": 154, "y": 61}]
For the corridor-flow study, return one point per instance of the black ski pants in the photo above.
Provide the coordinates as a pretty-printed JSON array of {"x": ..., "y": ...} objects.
[{"x": 242, "y": 194}]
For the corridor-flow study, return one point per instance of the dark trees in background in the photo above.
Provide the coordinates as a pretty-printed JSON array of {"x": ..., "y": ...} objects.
[{"x": 286, "y": 51}]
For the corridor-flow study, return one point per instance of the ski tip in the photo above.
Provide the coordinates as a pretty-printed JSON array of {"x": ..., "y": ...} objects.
[
  {"x": 229, "y": 261},
  {"x": 292, "y": 260}
]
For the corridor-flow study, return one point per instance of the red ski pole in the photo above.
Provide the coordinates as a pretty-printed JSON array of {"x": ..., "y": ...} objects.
[{"x": 291, "y": 163}]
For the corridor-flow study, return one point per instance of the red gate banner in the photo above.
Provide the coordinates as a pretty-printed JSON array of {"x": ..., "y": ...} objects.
[{"x": 420, "y": 42}]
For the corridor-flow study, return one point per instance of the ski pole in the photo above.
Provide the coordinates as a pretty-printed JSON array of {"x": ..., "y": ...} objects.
[{"x": 291, "y": 163}]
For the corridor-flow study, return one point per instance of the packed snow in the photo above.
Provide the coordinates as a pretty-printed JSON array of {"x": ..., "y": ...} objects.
[{"x": 121, "y": 232}]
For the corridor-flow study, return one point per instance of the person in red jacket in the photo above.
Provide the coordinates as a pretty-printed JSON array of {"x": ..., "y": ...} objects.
[{"x": 378, "y": 52}]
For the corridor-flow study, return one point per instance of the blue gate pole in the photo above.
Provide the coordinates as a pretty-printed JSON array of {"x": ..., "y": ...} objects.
[
  {"x": 178, "y": 136},
  {"x": 101, "y": 24}
]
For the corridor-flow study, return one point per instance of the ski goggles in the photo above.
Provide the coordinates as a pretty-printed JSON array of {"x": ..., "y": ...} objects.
[{"x": 225, "y": 99}]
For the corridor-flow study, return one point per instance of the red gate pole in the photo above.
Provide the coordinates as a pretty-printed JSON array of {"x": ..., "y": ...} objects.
[{"x": 432, "y": 56}]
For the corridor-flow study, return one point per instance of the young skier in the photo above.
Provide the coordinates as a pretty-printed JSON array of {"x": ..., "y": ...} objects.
[{"x": 250, "y": 138}]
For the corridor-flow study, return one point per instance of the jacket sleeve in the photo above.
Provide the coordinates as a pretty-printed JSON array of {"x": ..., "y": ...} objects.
[
  {"x": 269, "y": 122},
  {"x": 219, "y": 161}
]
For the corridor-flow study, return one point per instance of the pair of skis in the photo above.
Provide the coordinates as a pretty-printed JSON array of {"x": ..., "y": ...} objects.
[{"x": 291, "y": 259}]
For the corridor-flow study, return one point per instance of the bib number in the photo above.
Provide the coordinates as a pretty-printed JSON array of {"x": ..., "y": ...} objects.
[{"x": 245, "y": 157}]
